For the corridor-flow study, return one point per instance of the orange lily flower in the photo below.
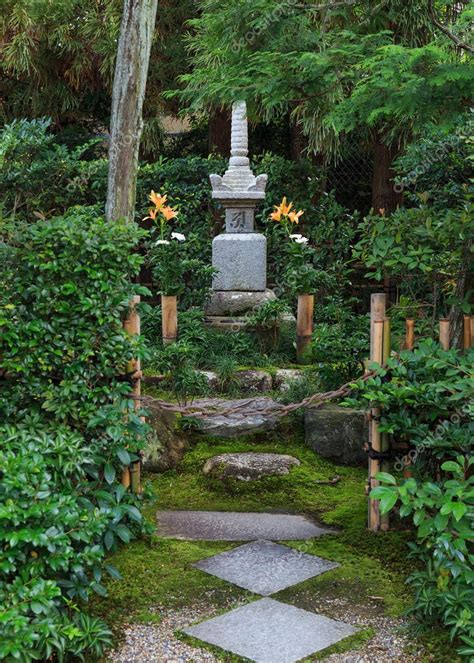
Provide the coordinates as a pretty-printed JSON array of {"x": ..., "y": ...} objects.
[
  {"x": 151, "y": 214},
  {"x": 295, "y": 216},
  {"x": 158, "y": 200},
  {"x": 169, "y": 213},
  {"x": 276, "y": 216},
  {"x": 285, "y": 207}
]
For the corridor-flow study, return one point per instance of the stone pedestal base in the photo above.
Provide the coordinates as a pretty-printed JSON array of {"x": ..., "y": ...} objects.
[{"x": 235, "y": 303}]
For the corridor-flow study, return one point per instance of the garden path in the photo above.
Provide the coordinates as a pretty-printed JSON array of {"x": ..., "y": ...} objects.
[{"x": 263, "y": 629}]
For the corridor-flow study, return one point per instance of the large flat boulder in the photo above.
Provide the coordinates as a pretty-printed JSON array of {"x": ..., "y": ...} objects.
[
  {"x": 248, "y": 416},
  {"x": 337, "y": 433},
  {"x": 249, "y": 466}
]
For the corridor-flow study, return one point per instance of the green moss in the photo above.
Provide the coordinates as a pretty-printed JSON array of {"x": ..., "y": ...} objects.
[{"x": 158, "y": 573}]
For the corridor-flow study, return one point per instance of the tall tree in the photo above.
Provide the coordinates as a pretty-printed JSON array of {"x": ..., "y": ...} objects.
[
  {"x": 335, "y": 66},
  {"x": 126, "y": 123}
]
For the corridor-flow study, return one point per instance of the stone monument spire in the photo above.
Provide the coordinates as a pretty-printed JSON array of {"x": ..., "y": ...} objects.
[
  {"x": 238, "y": 180},
  {"x": 239, "y": 255}
]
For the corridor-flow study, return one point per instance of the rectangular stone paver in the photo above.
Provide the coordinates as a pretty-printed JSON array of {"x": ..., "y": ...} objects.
[
  {"x": 268, "y": 631},
  {"x": 231, "y": 526},
  {"x": 264, "y": 567}
]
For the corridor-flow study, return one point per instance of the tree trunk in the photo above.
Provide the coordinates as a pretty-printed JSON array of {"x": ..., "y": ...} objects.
[
  {"x": 298, "y": 142},
  {"x": 384, "y": 195},
  {"x": 126, "y": 123},
  {"x": 219, "y": 132}
]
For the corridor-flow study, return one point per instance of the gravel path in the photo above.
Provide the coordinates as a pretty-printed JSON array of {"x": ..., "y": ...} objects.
[{"x": 156, "y": 643}]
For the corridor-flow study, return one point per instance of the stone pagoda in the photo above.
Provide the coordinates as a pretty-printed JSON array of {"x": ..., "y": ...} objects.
[{"x": 239, "y": 255}]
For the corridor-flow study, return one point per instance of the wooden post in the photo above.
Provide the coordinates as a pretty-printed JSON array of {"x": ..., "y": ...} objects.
[
  {"x": 409, "y": 333},
  {"x": 467, "y": 339},
  {"x": 472, "y": 331},
  {"x": 376, "y": 437},
  {"x": 385, "y": 446},
  {"x": 377, "y": 312},
  {"x": 444, "y": 333},
  {"x": 169, "y": 318},
  {"x": 131, "y": 475},
  {"x": 304, "y": 327}
]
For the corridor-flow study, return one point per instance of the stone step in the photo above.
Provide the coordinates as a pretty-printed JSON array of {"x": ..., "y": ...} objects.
[{"x": 236, "y": 526}]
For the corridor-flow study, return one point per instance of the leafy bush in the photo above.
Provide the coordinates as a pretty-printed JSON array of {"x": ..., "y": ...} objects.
[
  {"x": 443, "y": 514},
  {"x": 66, "y": 287},
  {"x": 340, "y": 343},
  {"x": 425, "y": 398},
  {"x": 427, "y": 245},
  {"x": 426, "y": 401}
]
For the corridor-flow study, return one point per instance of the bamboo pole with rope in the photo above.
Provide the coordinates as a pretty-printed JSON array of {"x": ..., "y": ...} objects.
[{"x": 131, "y": 476}]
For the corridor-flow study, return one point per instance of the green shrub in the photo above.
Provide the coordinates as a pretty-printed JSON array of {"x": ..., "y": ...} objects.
[
  {"x": 425, "y": 398},
  {"x": 443, "y": 513},
  {"x": 340, "y": 343},
  {"x": 65, "y": 289},
  {"x": 54, "y": 534},
  {"x": 426, "y": 402}
]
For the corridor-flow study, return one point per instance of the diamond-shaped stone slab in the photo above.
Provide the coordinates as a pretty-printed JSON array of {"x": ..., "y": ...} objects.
[
  {"x": 231, "y": 526},
  {"x": 268, "y": 631},
  {"x": 264, "y": 567}
]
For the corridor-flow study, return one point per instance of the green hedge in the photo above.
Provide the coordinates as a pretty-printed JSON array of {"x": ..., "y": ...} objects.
[{"x": 65, "y": 288}]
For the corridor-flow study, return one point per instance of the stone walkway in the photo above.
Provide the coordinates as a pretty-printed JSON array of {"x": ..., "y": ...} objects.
[
  {"x": 262, "y": 630},
  {"x": 227, "y": 526}
]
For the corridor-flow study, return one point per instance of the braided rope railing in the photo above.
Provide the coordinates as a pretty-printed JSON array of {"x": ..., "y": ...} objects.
[{"x": 275, "y": 409}]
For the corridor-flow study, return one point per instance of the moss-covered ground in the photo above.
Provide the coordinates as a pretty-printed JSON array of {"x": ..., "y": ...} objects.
[{"x": 158, "y": 572}]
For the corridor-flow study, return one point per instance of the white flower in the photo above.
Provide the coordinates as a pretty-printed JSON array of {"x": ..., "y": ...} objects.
[
  {"x": 299, "y": 239},
  {"x": 161, "y": 241},
  {"x": 179, "y": 236}
]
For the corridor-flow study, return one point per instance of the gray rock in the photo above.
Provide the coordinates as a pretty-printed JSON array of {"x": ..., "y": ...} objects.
[
  {"x": 166, "y": 443},
  {"x": 267, "y": 631},
  {"x": 286, "y": 377},
  {"x": 264, "y": 567},
  {"x": 236, "y": 302},
  {"x": 212, "y": 378},
  {"x": 232, "y": 526},
  {"x": 254, "y": 380},
  {"x": 337, "y": 433},
  {"x": 249, "y": 466},
  {"x": 257, "y": 417},
  {"x": 241, "y": 262}
]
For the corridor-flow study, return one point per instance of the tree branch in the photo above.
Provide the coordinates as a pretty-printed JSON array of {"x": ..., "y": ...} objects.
[
  {"x": 330, "y": 5},
  {"x": 445, "y": 30}
]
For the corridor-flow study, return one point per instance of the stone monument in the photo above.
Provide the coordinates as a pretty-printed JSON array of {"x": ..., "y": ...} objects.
[{"x": 240, "y": 254}]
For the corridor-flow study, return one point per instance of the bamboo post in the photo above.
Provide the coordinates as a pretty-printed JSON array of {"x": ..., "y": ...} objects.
[
  {"x": 444, "y": 333},
  {"x": 169, "y": 319},
  {"x": 385, "y": 445},
  {"x": 304, "y": 327},
  {"x": 472, "y": 331},
  {"x": 131, "y": 475},
  {"x": 467, "y": 338},
  {"x": 377, "y": 312},
  {"x": 409, "y": 333},
  {"x": 376, "y": 437}
]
